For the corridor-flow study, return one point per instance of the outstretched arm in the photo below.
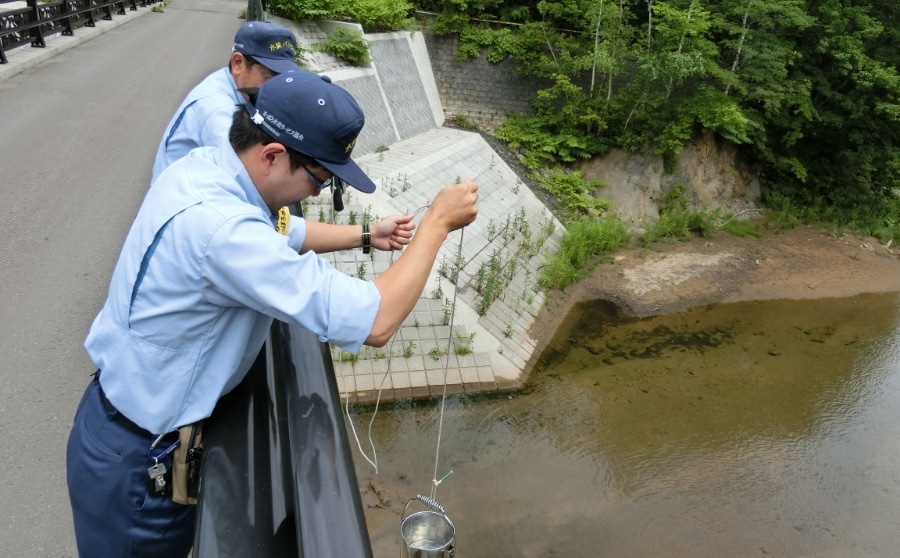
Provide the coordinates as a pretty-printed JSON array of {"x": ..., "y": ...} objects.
[{"x": 401, "y": 285}]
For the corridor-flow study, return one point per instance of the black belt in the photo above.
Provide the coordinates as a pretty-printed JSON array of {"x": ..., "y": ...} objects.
[{"x": 132, "y": 427}]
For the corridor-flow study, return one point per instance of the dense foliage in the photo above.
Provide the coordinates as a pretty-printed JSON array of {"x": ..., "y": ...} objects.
[
  {"x": 808, "y": 89},
  {"x": 349, "y": 45},
  {"x": 374, "y": 15}
]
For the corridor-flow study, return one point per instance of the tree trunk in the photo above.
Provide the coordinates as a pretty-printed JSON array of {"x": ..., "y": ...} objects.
[
  {"x": 596, "y": 46},
  {"x": 737, "y": 55}
]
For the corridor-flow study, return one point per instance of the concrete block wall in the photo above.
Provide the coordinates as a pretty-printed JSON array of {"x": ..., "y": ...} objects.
[
  {"x": 380, "y": 130},
  {"x": 513, "y": 226},
  {"x": 418, "y": 70},
  {"x": 396, "y": 91},
  {"x": 403, "y": 84}
]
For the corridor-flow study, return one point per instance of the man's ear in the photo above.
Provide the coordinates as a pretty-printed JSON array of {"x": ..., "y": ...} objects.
[
  {"x": 269, "y": 153},
  {"x": 237, "y": 62}
]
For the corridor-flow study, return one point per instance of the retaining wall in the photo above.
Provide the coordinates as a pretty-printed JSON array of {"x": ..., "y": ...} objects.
[{"x": 469, "y": 332}]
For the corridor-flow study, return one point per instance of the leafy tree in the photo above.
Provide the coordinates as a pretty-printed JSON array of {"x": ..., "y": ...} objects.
[
  {"x": 808, "y": 89},
  {"x": 846, "y": 145},
  {"x": 758, "y": 54}
]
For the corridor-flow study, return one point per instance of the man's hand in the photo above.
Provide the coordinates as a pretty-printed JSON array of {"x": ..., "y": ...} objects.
[
  {"x": 392, "y": 233},
  {"x": 455, "y": 206}
]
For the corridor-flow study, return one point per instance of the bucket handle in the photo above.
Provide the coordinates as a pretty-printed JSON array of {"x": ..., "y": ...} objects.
[{"x": 425, "y": 501}]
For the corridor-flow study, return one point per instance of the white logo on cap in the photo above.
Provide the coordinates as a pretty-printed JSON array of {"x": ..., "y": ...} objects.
[
  {"x": 288, "y": 80},
  {"x": 258, "y": 118},
  {"x": 275, "y": 126},
  {"x": 321, "y": 102}
]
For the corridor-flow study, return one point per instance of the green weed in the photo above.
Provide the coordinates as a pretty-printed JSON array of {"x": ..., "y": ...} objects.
[
  {"x": 742, "y": 228},
  {"x": 462, "y": 344},
  {"x": 583, "y": 240}
]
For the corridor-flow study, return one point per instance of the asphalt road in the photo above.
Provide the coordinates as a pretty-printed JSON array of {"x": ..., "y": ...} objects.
[{"x": 78, "y": 134}]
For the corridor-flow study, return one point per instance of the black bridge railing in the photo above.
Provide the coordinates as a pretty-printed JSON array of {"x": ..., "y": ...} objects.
[
  {"x": 30, "y": 22},
  {"x": 278, "y": 478}
]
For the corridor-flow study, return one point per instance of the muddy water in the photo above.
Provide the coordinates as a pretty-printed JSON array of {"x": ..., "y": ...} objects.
[{"x": 750, "y": 429}]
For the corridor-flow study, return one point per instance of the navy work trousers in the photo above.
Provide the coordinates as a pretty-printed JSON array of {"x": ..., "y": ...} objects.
[{"x": 115, "y": 510}]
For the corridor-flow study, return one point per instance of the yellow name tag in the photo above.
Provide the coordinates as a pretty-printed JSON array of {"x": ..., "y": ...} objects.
[{"x": 284, "y": 219}]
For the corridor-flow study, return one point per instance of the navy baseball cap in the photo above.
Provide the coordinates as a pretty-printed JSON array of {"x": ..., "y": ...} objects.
[
  {"x": 269, "y": 44},
  {"x": 309, "y": 114}
]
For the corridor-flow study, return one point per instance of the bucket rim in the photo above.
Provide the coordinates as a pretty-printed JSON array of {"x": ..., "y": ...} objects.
[{"x": 428, "y": 512}]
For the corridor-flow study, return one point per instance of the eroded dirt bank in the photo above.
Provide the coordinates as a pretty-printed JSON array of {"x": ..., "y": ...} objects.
[{"x": 804, "y": 262}]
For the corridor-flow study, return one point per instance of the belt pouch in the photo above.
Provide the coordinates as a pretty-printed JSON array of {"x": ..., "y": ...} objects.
[{"x": 186, "y": 461}]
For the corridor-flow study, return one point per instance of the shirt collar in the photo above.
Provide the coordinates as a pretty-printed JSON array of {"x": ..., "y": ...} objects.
[
  {"x": 237, "y": 94},
  {"x": 226, "y": 159}
]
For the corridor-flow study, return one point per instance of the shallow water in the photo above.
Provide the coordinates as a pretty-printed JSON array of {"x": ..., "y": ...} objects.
[{"x": 766, "y": 428}]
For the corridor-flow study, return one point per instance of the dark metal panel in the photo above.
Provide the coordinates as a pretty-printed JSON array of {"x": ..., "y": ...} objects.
[
  {"x": 330, "y": 515},
  {"x": 245, "y": 505},
  {"x": 278, "y": 478}
]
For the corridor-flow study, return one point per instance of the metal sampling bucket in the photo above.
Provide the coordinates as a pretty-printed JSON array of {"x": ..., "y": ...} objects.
[{"x": 427, "y": 534}]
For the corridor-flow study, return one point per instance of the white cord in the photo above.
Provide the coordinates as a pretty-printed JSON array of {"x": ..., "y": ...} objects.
[
  {"x": 437, "y": 452},
  {"x": 374, "y": 461}
]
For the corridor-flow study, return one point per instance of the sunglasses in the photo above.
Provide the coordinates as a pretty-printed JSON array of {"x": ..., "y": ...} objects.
[{"x": 320, "y": 184}]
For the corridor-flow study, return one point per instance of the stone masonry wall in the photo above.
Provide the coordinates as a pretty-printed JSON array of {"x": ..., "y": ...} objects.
[{"x": 481, "y": 91}]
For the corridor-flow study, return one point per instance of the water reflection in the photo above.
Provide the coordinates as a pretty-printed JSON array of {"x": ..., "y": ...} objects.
[{"x": 750, "y": 429}]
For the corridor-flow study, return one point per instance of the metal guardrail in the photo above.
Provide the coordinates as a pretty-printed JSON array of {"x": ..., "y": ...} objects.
[
  {"x": 278, "y": 474},
  {"x": 30, "y": 22}
]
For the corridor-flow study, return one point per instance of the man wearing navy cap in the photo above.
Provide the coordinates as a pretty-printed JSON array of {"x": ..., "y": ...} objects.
[
  {"x": 261, "y": 50},
  {"x": 209, "y": 261}
]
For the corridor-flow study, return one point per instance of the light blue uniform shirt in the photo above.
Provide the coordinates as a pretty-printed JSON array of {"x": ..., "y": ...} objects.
[
  {"x": 176, "y": 335},
  {"x": 204, "y": 118}
]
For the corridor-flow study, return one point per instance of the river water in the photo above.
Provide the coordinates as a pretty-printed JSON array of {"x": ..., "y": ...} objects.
[{"x": 767, "y": 428}]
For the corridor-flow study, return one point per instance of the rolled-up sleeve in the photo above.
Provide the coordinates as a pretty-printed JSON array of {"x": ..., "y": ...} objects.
[{"x": 296, "y": 233}]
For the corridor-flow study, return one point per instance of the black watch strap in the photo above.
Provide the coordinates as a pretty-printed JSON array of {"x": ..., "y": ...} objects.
[{"x": 366, "y": 239}]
